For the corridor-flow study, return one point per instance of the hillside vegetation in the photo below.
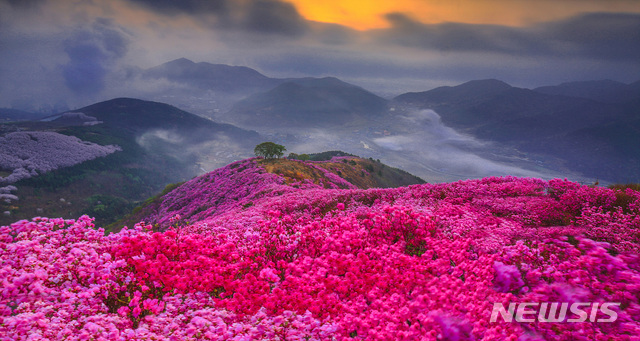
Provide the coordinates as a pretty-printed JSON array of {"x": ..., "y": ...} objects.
[
  {"x": 242, "y": 253},
  {"x": 339, "y": 172},
  {"x": 151, "y": 144}
]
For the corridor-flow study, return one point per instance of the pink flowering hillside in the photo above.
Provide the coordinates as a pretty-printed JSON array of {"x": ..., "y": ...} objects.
[
  {"x": 241, "y": 183},
  {"x": 246, "y": 254},
  {"x": 27, "y": 154}
]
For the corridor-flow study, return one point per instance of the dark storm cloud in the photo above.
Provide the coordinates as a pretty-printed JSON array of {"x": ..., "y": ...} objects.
[
  {"x": 269, "y": 16},
  {"x": 611, "y": 36},
  {"x": 451, "y": 36},
  {"x": 85, "y": 72},
  {"x": 597, "y": 35},
  {"x": 255, "y": 16},
  {"x": 92, "y": 53},
  {"x": 185, "y": 6},
  {"x": 26, "y": 4}
]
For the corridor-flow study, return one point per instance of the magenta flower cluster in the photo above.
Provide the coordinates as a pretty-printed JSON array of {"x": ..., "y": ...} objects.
[
  {"x": 334, "y": 181},
  {"x": 247, "y": 257},
  {"x": 26, "y": 154}
]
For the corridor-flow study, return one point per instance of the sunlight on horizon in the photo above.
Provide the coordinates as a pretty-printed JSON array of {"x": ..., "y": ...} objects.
[{"x": 371, "y": 15}]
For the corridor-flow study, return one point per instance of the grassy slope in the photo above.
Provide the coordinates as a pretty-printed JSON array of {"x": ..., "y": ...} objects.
[{"x": 363, "y": 173}]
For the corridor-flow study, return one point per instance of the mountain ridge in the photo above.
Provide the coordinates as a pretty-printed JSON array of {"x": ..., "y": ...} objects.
[
  {"x": 308, "y": 102},
  {"x": 551, "y": 125},
  {"x": 606, "y": 91},
  {"x": 138, "y": 115},
  {"x": 339, "y": 172},
  {"x": 208, "y": 76}
]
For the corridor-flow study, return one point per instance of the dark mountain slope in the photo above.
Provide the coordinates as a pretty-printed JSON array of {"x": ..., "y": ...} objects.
[
  {"x": 592, "y": 137},
  {"x": 469, "y": 93},
  {"x": 207, "y": 76},
  {"x": 606, "y": 91},
  {"x": 136, "y": 116},
  {"x": 160, "y": 144},
  {"x": 308, "y": 102}
]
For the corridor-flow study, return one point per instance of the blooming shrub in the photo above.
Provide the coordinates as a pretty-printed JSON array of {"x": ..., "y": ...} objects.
[
  {"x": 26, "y": 154},
  {"x": 245, "y": 256},
  {"x": 5, "y": 194}
]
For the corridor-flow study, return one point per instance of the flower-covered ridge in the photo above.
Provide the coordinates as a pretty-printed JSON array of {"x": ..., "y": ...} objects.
[
  {"x": 29, "y": 153},
  {"x": 243, "y": 254}
]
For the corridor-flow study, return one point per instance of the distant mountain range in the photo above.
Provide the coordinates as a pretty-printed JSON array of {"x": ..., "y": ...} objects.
[
  {"x": 606, "y": 91},
  {"x": 136, "y": 116},
  {"x": 212, "y": 77},
  {"x": 243, "y": 96},
  {"x": 589, "y": 128},
  {"x": 594, "y": 129},
  {"x": 308, "y": 103}
]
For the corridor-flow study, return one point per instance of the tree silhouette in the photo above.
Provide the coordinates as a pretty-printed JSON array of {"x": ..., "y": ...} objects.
[{"x": 269, "y": 150}]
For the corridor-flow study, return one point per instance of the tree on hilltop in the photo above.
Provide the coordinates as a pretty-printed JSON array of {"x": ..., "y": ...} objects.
[
  {"x": 301, "y": 157},
  {"x": 269, "y": 150}
]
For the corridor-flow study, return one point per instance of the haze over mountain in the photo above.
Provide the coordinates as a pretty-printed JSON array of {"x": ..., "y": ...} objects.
[
  {"x": 310, "y": 114},
  {"x": 233, "y": 93},
  {"x": 582, "y": 130},
  {"x": 587, "y": 129},
  {"x": 571, "y": 128},
  {"x": 14, "y": 115},
  {"x": 308, "y": 103},
  {"x": 212, "y": 77},
  {"x": 607, "y": 91},
  {"x": 158, "y": 144}
]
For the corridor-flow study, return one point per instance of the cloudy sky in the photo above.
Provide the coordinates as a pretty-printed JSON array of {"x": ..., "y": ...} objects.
[{"x": 78, "y": 51}]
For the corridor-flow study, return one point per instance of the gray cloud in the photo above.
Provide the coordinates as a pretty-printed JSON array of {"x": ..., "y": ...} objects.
[
  {"x": 196, "y": 7},
  {"x": 450, "y": 36},
  {"x": 422, "y": 145},
  {"x": 437, "y": 153},
  {"x": 85, "y": 72},
  {"x": 255, "y": 16},
  {"x": 24, "y": 4},
  {"x": 45, "y": 45},
  {"x": 213, "y": 151},
  {"x": 332, "y": 34},
  {"x": 268, "y": 16},
  {"x": 608, "y": 36},
  {"x": 92, "y": 53}
]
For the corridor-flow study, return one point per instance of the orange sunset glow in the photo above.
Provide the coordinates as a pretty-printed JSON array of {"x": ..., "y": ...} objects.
[{"x": 364, "y": 15}]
